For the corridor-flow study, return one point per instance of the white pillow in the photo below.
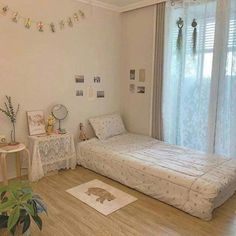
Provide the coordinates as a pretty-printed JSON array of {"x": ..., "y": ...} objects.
[{"x": 107, "y": 126}]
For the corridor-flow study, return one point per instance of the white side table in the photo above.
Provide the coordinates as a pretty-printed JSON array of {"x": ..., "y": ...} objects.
[
  {"x": 4, "y": 151},
  {"x": 50, "y": 153}
]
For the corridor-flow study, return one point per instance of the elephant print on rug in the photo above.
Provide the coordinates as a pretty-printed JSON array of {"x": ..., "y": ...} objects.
[{"x": 101, "y": 193}]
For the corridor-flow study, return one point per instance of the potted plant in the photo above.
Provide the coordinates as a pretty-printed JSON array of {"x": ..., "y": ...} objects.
[
  {"x": 18, "y": 206},
  {"x": 11, "y": 113}
]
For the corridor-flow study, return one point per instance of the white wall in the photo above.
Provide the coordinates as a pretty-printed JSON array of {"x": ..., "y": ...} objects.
[
  {"x": 137, "y": 53},
  {"x": 37, "y": 69}
]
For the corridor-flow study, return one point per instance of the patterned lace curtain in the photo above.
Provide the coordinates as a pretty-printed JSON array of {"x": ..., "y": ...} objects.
[
  {"x": 187, "y": 79},
  {"x": 199, "y": 102}
]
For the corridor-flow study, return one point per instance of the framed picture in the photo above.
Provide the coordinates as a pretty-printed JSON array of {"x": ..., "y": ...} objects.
[
  {"x": 142, "y": 76},
  {"x": 132, "y": 74},
  {"x": 79, "y": 93},
  {"x": 97, "y": 79},
  {"x": 100, "y": 94},
  {"x": 36, "y": 122},
  {"x": 90, "y": 93},
  {"x": 132, "y": 88},
  {"x": 79, "y": 79},
  {"x": 140, "y": 89}
]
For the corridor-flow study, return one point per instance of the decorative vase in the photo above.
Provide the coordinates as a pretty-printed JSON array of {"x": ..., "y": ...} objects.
[{"x": 13, "y": 136}]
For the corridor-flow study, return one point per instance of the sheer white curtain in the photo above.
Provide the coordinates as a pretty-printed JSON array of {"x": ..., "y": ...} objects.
[
  {"x": 225, "y": 134},
  {"x": 199, "y": 93}
]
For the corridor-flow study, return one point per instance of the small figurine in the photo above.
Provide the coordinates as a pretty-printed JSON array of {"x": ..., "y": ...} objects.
[
  {"x": 69, "y": 21},
  {"x": 82, "y": 135},
  {"x": 27, "y": 23},
  {"x": 52, "y": 26},
  {"x": 76, "y": 17},
  {"x": 40, "y": 26},
  {"x": 50, "y": 124},
  {"x": 4, "y": 10},
  {"x": 62, "y": 24},
  {"x": 81, "y": 14},
  {"x": 15, "y": 17}
]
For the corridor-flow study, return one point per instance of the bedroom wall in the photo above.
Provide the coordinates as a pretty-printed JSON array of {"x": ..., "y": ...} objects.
[
  {"x": 37, "y": 69},
  {"x": 137, "y": 53}
]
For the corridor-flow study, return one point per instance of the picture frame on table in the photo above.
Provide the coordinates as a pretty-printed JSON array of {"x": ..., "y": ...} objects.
[{"x": 36, "y": 122}]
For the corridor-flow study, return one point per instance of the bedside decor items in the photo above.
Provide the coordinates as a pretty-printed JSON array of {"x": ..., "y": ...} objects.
[
  {"x": 60, "y": 112},
  {"x": 17, "y": 212},
  {"x": 11, "y": 113},
  {"x": 50, "y": 153},
  {"x": 8, "y": 150},
  {"x": 36, "y": 122},
  {"x": 16, "y": 17},
  {"x": 82, "y": 135},
  {"x": 50, "y": 124}
]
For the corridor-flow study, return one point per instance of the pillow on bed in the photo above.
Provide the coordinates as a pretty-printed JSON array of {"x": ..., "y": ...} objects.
[{"x": 107, "y": 126}]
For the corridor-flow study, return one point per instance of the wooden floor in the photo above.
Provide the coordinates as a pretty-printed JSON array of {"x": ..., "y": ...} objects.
[{"x": 70, "y": 217}]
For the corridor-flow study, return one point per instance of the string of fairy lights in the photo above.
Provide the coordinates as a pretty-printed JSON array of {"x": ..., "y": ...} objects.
[{"x": 41, "y": 26}]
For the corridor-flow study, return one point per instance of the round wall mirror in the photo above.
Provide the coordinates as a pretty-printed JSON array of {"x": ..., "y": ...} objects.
[{"x": 60, "y": 112}]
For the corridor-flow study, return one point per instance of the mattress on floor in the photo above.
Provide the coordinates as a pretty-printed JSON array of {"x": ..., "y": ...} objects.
[{"x": 189, "y": 180}]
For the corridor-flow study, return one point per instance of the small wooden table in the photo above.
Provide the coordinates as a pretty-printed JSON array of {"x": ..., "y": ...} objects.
[{"x": 4, "y": 151}]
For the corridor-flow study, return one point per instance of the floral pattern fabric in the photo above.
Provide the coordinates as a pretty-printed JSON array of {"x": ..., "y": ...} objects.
[
  {"x": 107, "y": 126},
  {"x": 192, "y": 181}
]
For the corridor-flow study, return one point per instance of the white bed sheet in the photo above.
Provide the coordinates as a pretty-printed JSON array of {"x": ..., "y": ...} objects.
[{"x": 189, "y": 180}]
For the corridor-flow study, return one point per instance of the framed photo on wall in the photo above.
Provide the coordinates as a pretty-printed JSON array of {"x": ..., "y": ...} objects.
[{"x": 36, "y": 122}]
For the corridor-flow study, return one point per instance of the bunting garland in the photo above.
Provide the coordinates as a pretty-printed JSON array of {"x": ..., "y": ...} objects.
[{"x": 40, "y": 25}]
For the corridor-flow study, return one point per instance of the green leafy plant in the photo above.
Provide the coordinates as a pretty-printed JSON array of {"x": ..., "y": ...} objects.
[
  {"x": 11, "y": 113},
  {"x": 18, "y": 206}
]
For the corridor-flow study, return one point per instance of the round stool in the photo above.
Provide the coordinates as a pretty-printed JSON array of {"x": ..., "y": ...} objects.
[{"x": 4, "y": 151}]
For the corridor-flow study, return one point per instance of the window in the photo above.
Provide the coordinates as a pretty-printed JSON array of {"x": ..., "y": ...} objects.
[{"x": 192, "y": 79}]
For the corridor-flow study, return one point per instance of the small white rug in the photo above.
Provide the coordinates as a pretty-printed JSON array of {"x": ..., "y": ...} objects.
[{"x": 102, "y": 197}]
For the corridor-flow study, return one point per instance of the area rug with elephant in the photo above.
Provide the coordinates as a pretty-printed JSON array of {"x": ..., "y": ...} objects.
[{"x": 102, "y": 197}]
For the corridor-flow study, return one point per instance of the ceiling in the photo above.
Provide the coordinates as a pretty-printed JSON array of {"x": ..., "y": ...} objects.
[{"x": 121, "y": 3}]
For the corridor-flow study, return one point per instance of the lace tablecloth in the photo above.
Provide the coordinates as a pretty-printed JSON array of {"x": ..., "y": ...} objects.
[{"x": 50, "y": 153}]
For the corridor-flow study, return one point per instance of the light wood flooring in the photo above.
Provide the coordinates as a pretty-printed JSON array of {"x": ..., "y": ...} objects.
[{"x": 70, "y": 217}]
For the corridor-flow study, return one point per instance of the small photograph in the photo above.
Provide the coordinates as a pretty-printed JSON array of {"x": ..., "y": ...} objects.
[
  {"x": 132, "y": 74},
  {"x": 100, "y": 94},
  {"x": 97, "y": 79},
  {"x": 132, "y": 88},
  {"x": 140, "y": 89},
  {"x": 142, "y": 76},
  {"x": 79, "y": 93},
  {"x": 79, "y": 79},
  {"x": 90, "y": 93}
]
